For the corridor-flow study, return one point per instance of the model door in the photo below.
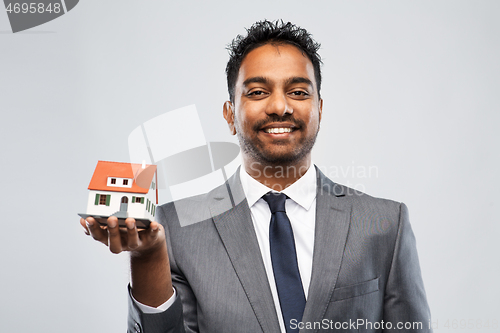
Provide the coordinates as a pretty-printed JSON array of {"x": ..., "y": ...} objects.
[{"x": 124, "y": 204}]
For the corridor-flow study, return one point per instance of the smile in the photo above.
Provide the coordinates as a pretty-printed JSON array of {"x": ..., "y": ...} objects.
[{"x": 275, "y": 130}]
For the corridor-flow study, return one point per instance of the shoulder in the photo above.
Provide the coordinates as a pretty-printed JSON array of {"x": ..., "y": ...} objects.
[{"x": 359, "y": 202}]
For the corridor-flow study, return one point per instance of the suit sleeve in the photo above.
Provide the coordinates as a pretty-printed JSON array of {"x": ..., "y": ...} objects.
[
  {"x": 169, "y": 321},
  {"x": 180, "y": 317},
  {"x": 405, "y": 302}
]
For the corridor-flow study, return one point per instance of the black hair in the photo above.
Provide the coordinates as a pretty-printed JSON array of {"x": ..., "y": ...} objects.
[{"x": 266, "y": 32}]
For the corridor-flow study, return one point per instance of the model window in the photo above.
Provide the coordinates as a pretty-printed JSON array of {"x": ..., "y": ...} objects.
[
  {"x": 125, "y": 182},
  {"x": 139, "y": 199},
  {"x": 102, "y": 199},
  {"x": 113, "y": 181}
]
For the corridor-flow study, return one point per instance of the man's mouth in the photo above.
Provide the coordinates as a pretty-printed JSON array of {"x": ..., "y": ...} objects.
[
  {"x": 276, "y": 130},
  {"x": 279, "y": 128}
]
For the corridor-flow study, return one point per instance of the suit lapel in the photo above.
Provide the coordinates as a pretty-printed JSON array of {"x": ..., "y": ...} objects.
[
  {"x": 231, "y": 216},
  {"x": 332, "y": 225}
]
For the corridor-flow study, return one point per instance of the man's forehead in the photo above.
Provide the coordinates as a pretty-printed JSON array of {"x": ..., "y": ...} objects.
[{"x": 276, "y": 61}]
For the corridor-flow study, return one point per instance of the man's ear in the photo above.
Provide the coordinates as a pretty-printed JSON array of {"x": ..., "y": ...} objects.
[
  {"x": 228, "y": 112},
  {"x": 320, "y": 109}
]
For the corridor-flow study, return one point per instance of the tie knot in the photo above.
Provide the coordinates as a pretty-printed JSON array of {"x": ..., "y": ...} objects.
[{"x": 276, "y": 201}]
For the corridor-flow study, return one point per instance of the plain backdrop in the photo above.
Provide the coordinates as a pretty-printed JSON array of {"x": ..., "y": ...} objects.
[{"x": 411, "y": 96}]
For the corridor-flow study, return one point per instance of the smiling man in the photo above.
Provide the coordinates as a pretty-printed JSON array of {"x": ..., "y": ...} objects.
[
  {"x": 275, "y": 110},
  {"x": 285, "y": 249}
]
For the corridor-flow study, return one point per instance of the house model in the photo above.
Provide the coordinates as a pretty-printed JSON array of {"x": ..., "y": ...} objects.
[{"x": 123, "y": 190}]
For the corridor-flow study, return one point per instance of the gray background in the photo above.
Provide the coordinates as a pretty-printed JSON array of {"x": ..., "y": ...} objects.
[{"x": 410, "y": 88}]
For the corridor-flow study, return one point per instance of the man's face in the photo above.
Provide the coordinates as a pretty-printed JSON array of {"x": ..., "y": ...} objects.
[{"x": 276, "y": 111}]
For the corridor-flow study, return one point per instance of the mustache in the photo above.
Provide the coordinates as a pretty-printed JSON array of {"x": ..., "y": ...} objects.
[{"x": 274, "y": 118}]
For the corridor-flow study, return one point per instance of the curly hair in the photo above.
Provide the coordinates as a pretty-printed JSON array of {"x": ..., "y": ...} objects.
[{"x": 266, "y": 32}]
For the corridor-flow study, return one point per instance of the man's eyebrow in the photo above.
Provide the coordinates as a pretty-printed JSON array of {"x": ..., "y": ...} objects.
[
  {"x": 264, "y": 80},
  {"x": 298, "y": 79},
  {"x": 256, "y": 79}
]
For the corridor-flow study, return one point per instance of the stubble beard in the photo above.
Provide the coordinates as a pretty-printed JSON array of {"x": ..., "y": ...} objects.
[{"x": 256, "y": 149}]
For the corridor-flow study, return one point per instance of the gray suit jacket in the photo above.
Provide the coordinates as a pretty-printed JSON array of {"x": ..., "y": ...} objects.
[{"x": 365, "y": 273}]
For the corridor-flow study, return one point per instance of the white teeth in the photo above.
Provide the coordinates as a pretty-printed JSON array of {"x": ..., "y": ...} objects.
[{"x": 278, "y": 130}]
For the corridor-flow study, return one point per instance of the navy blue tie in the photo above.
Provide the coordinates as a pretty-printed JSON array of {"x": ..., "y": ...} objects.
[{"x": 284, "y": 259}]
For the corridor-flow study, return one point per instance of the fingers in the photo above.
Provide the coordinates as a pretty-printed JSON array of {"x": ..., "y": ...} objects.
[
  {"x": 95, "y": 230},
  {"x": 120, "y": 239},
  {"x": 114, "y": 237},
  {"x": 144, "y": 240},
  {"x": 110, "y": 235},
  {"x": 151, "y": 234},
  {"x": 150, "y": 240},
  {"x": 132, "y": 234},
  {"x": 154, "y": 226},
  {"x": 83, "y": 223}
]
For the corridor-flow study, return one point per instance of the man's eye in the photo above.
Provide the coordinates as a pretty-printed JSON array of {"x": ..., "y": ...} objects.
[
  {"x": 299, "y": 93},
  {"x": 256, "y": 93}
]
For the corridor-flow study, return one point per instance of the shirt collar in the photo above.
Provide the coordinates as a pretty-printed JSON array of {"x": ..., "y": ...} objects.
[{"x": 303, "y": 191}]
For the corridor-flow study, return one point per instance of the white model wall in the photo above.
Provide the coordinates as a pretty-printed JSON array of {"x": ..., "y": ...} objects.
[{"x": 135, "y": 209}]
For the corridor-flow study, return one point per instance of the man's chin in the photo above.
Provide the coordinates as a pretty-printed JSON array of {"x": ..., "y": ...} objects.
[{"x": 275, "y": 158}]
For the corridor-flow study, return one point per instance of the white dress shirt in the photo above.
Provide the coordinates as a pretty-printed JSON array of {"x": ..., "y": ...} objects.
[{"x": 301, "y": 211}]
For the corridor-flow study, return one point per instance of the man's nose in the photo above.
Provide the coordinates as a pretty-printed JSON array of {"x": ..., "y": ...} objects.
[{"x": 278, "y": 104}]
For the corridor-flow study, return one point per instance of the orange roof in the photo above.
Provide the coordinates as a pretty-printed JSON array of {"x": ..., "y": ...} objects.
[{"x": 105, "y": 169}]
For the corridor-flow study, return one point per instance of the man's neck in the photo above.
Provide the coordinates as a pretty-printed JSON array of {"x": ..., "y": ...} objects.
[{"x": 277, "y": 177}]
